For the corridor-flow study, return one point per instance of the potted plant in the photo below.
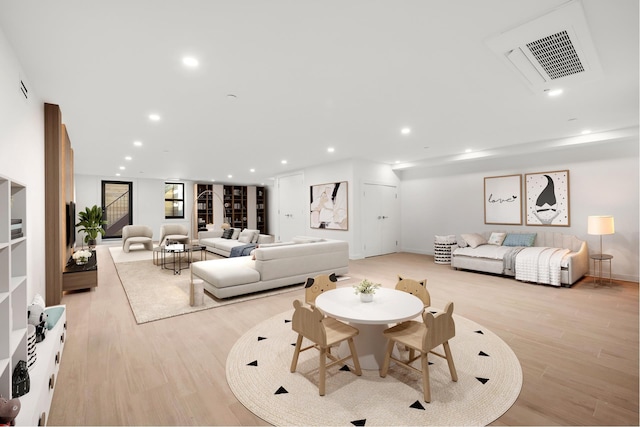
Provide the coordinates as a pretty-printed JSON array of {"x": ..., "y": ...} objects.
[
  {"x": 91, "y": 222},
  {"x": 366, "y": 289}
]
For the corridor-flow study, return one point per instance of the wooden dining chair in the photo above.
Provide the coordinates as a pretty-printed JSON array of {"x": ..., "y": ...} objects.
[
  {"x": 323, "y": 332},
  {"x": 423, "y": 337},
  {"x": 317, "y": 285},
  {"x": 416, "y": 288}
]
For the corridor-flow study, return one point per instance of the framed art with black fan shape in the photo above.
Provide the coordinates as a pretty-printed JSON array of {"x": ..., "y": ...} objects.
[
  {"x": 547, "y": 198},
  {"x": 502, "y": 201}
]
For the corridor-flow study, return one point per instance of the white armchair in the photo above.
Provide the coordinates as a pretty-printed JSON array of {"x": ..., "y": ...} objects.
[
  {"x": 173, "y": 232},
  {"x": 141, "y": 234}
]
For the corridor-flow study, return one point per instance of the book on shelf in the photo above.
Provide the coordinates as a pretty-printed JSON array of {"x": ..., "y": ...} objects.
[
  {"x": 16, "y": 221},
  {"x": 16, "y": 236}
]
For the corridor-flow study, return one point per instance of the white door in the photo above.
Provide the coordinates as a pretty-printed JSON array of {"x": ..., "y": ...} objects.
[
  {"x": 381, "y": 216},
  {"x": 291, "y": 207}
]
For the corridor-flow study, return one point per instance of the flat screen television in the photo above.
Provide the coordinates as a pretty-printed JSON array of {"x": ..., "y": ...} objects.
[{"x": 71, "y": 224}]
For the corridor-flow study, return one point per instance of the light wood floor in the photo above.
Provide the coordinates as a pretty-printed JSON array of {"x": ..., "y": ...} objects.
[{"x": 578, "y": 348}]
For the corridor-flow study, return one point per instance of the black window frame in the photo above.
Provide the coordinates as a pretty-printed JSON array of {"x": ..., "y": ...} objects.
[{"x": 173, "y": 200}]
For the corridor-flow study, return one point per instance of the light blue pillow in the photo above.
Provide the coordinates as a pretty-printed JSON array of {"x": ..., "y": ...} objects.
[
  {"x": 53, "y": 314},
  {"x": 519, "y": 239}
]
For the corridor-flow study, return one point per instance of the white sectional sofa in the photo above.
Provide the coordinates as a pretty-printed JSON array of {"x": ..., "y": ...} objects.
[
  {"x": 215, "y": 243},
  {"x": 540, "y": 257},
  {"x": 275, "y": 265}
]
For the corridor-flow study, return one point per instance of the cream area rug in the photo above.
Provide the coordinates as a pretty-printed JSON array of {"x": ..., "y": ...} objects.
[
  {"x": 489, "y": 381},
  {"x": 155, "y": 293}
]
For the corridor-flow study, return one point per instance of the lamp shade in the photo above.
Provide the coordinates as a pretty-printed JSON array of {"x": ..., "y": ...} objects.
[{"x": 600, "y": 224}]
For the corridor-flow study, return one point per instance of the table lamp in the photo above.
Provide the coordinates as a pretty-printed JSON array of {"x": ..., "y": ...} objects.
[{"x": 599, "y": 225}]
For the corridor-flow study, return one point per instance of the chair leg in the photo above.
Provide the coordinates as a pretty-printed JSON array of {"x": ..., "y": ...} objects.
[
  {"x": 354, "y": 356},
  {"x": 387, "y": 359},
  {"x": 425, "y": 377},
  {"x": 323, "y": 370},
  {"x": 296, "y": 353},
  {"x": 452, "y": 367}
]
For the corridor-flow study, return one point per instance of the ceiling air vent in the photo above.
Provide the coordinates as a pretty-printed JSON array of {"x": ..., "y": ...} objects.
[{"x": 552, "y": 51}]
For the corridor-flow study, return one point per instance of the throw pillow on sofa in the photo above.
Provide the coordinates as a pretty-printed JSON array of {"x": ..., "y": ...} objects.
[
  {"x": 519, "y": 239},
  {"x": 474, "y": 240},
  {"x": 246, "y": 236},
  {"x": 226, "y": 234},
  {"x": 497, "y": 238}
]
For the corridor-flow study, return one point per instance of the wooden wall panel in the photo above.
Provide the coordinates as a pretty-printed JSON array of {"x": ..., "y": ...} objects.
[{"x": 59, "y": 189}]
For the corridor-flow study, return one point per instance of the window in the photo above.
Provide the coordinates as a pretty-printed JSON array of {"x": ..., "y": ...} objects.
[{"x": 173, "y": 200}]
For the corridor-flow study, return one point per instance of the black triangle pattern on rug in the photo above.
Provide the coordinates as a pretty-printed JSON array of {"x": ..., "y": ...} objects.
[
  {"x": 416, "y": 405},
  {"x": 482, "y": 353},
  {"x": 345, "y": 368},
  {"x": 261, "y": 338},
  {"x": 281, "y": 390},
  {"x": 359, "y": 422},
  {"x": 482, "y": 380},
  {"x": 479, "y": 332},
  {"x": 254, "y": 363},
  {"x": 287, "y": 321}
]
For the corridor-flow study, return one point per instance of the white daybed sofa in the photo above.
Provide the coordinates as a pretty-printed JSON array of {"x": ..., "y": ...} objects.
[
  {"x": 275, "y": 265},
  {"x": 214, "y": 242},
  {"x": 543, "y": 257}
]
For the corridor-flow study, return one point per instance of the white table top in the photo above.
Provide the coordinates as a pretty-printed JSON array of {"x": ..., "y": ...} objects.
[{"x": 388, "y": 306}]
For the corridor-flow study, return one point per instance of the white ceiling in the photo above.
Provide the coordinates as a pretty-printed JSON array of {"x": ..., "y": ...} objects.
[{"x": 308, "y": 75}]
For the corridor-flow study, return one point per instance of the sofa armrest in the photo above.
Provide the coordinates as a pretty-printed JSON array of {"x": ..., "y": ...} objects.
[
  {"x": 209, "y": 234},
  {"x": 578, "y": 263},
  {"x": 266, "y": 238}
]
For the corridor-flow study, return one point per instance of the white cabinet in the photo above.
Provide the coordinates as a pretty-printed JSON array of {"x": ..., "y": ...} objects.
[
  {"x": 13, "y": 311},
  {"x": 13, "y": 280}
]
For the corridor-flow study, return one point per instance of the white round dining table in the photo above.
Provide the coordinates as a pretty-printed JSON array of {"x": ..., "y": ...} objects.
[{"x": 371, "y": 318}]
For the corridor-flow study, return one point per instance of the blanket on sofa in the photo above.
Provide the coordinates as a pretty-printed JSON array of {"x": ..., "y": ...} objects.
[
  {"x": 242, "y": 250},
  {"x": 540, "y": 265},
  {"x": 509, "y": 260}
]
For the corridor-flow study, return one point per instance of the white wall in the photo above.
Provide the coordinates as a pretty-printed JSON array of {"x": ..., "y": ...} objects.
[
  {"x": 22, "y": 156},
  {"x": 148, "y": 200},
  {"x": 603, "y": 181}
]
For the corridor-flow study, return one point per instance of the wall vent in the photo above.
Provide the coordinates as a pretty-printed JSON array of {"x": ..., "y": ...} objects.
[
  {"x": 24, "y": 90},
  {"x": 554, "y": 50}
]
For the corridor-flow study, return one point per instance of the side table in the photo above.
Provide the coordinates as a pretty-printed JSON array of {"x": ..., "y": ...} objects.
[{"x": 597, "y": 260}]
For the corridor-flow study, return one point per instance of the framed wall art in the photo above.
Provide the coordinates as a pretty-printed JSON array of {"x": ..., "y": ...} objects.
[
  {"x": 502, "y": 201},
  {"x": 547, "y": 198},
  {"x": 329, "y": 206}
]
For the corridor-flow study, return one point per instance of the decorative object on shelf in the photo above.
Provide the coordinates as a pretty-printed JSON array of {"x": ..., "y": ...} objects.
[
  {"x": 366, "y": 289},
  {"x": 502, "y": 201},
  {"x": 91, "y": 222},
  {"x": 547, "y": 198},
  {"x": 329, "y": 206},
  {"x": 31, "y": 346},
  {"x": 20, "y": 380},
  {"x": 9, "y": 410},
  {"x": 82, "y": 256}
]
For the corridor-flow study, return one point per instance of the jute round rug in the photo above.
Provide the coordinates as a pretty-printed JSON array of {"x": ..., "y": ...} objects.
[{"x": 489, "y": 381}]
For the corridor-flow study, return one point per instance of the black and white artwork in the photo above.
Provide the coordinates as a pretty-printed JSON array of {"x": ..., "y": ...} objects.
[
  {"x": 547, "y": 198},
  {"x": 328, "y": 206},
  {"x": 502, "y": 201}
]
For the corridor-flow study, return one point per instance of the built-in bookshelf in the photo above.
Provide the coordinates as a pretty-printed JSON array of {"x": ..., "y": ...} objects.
[
  {"x": 13, "y": 280},
  {"x": 204, "y": 206},
  {"x": 235, "y": 205},
  {"x": 261, "y": 209}
]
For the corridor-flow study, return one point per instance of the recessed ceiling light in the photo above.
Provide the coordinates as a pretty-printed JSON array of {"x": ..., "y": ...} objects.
[
  {"x": 122, "y": 168},
  {"x": 137, "y": 143},
  {"x": 117, "y": 174},
  {"x": 213, "y": 180},
  {"x": 405, "y": 131},
  {"x": 128, "y": 158},
  {"x": 284, "y": 162},
  {"x": 331, "y": 149},
  {"x": 586, "y": 132},
  {"x": 154, "y": 117},
  {"x": 468, "y": 150},
  {"x": 229, "y": 176},
  {"x": 554, "y": 92},
  {"x": 252, "y": 170},
  {"x": 397, "y": 162},
  {"x": 190, "y": 61}
]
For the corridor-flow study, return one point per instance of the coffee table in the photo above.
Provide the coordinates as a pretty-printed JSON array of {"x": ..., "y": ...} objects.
[
  {"x": 371, "y": 318},
  {"x": 178, "y": 250}
]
